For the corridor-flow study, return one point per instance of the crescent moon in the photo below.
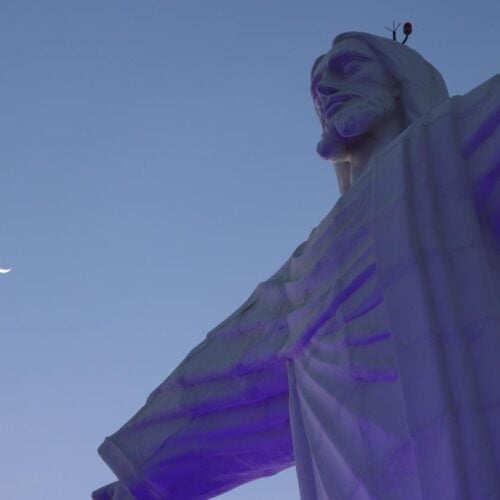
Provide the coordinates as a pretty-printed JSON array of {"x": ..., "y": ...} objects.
[{"x": 4, "y": 271}]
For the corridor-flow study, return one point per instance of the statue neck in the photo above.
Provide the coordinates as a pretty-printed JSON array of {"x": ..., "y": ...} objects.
[{"x": 362, "y": 152}]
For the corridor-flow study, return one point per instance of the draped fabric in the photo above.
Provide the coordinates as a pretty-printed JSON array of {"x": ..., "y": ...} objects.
[
  {"x": 370, "y": 359},
  {"x": 441, "y": 289},
  {"x": 348, "y": 416}
]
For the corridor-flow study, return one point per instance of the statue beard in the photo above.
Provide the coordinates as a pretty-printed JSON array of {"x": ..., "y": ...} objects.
[{"x": 347, "y": 127}]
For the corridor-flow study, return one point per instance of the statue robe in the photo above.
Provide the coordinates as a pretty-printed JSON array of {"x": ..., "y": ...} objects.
[{"x": 370, "y": 359}]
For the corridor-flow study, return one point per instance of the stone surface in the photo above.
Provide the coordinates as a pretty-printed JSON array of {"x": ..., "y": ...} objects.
[{"x": 370, "y": 359}]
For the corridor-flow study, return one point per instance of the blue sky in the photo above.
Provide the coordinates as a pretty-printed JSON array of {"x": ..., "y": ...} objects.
[{"x": 158, "y": 162}]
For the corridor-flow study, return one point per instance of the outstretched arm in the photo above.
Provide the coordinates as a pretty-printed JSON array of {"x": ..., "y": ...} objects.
[{"x": 221, "y": 419}]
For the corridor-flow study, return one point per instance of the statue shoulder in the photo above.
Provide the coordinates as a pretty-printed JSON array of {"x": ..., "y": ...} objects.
[
  {"x": 475, "y": 119},
  {"x": 469, "y": 109},
  {"x": 482, "y": 97},
  {"x": 478, "y": 116}
]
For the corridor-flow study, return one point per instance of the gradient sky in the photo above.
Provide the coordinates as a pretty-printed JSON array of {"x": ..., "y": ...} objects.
[{"x": 158, "y": 162}]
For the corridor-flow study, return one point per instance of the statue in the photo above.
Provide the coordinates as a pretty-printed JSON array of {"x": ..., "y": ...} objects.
[{"x": 370, "y": 359}]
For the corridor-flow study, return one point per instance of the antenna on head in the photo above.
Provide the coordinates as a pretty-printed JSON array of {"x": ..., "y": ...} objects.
[
  {"x": 394, "y": 29},
  {"x": 407, "y": 29}
]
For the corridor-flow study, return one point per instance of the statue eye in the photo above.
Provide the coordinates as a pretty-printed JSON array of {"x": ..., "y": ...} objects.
[
  {"x": 347, "y": 63},
  {"x": 351, "y": 66}
]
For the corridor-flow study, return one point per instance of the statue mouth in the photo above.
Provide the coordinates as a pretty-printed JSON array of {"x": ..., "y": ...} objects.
[{"x": 334, "y": 104}]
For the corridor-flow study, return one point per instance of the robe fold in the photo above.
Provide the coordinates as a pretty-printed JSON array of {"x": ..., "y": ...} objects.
[{"x": 371, "y": 359}]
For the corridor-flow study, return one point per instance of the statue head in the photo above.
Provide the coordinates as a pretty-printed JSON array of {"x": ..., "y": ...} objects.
[{"x": 366, "y": 83}]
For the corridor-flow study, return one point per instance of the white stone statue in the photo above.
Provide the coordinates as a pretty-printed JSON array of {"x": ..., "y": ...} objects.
[{"x": 371, "y": 359}]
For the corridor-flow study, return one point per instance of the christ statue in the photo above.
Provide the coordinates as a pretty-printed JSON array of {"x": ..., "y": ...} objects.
[{"x": 370, "y": 359}]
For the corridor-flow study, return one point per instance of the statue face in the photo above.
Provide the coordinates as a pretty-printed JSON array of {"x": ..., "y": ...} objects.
[{"x": 352, "y": 94}]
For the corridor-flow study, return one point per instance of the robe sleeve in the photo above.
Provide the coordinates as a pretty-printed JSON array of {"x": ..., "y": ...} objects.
[{"x": 220, "y": 419}]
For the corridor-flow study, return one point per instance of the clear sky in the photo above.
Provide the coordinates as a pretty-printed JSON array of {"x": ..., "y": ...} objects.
[{"x": 158, "y": 162}]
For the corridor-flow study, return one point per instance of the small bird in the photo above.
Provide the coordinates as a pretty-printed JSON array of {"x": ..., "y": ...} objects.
[{"x": 4, "y": 271}]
